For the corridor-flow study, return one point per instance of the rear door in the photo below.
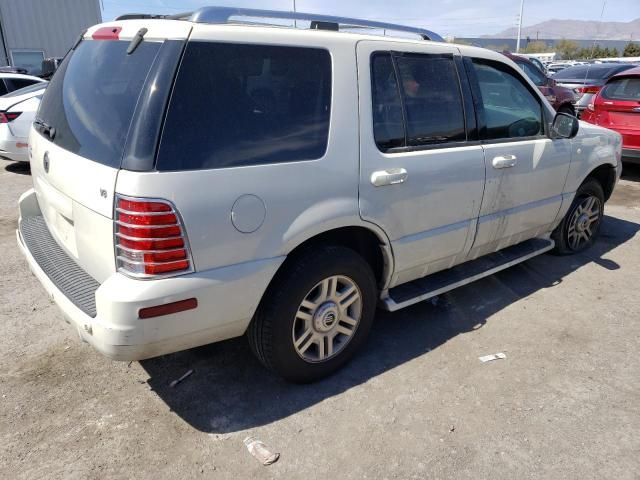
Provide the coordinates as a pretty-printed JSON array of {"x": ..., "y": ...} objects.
[
  {"x": 421, "y": 169},
  {"x": 526, "y": 170},
  {"x": 81, "y": 132}
]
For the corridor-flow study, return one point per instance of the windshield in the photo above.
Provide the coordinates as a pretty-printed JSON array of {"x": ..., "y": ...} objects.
[{"x": 91, "y": 99}]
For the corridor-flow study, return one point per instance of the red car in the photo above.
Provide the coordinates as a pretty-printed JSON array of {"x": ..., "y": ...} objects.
[{"x": 617, "y": 106}]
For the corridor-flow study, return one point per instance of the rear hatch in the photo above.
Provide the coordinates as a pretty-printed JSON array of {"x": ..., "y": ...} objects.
[
  {"x": 88, "y": 127},
  {"x": 618, "y": 108}
]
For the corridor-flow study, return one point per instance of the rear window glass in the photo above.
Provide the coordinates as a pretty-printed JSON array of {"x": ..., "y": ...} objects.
[
  {"x": 31, "y": 88},
  {"x": 236, "y": 105},
  {"x": 623, "y": 89},
  {"x": 92, "y": 97}
]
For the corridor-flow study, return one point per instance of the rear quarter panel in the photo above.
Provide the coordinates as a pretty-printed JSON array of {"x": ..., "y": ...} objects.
[{"x": 299, "y": 199}]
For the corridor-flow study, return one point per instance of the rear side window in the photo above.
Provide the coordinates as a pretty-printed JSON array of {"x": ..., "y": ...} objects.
[
  {"x": 91, "y": 98},
  {"x": 417, "y": 101},
  {"x": 509, "y": 108},
  {"x": 625, "y": 89},
  {"x": 3, "y": 88},
  {"x": 237, "y": 105}
]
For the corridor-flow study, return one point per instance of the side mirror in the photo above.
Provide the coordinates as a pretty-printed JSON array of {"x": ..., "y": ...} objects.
[{"x": 564, "y": 126}]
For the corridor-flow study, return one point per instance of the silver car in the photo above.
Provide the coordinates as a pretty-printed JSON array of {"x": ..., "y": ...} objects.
[{"x": 196, "y": 180}]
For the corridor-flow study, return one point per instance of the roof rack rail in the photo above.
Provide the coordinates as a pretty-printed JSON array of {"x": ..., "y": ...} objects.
[
  {"x": 321, "y": 22},
  {"x": 146, "y": 16},
  {"x": 318, "y": 22}
]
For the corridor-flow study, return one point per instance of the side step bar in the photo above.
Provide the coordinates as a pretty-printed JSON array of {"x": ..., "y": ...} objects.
[{"x": 463, "y": 274}]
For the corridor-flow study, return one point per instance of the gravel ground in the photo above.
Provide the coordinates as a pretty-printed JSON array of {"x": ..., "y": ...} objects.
[{"x": 417, "y": 403}]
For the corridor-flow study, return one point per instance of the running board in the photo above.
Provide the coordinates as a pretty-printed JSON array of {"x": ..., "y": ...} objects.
[{"x": 463, "y": 274}]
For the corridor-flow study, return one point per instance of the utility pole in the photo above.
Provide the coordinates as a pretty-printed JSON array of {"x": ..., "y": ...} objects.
[
  {"x": 295, "y": 22},
  {"x": 519, "y": 26}
]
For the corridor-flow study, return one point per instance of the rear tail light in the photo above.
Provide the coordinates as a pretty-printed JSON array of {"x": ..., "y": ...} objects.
[
  {"x": 150, "y": 238},
  {"x": 6, "y": 117},
  {"x": 587, "y": 89}
]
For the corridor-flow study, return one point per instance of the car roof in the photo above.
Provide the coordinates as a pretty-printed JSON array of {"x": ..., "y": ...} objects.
[
  {"x": 632, "y": 72},
  {"x": 22, "y": 76}
]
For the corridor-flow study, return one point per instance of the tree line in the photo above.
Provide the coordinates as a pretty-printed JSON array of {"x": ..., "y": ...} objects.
[{"x": 570, "y": 50}]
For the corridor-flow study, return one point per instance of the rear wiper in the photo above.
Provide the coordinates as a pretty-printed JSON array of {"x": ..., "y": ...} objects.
[
  {"x": 136, "y": 40},
  {"x": 45, "y": 129}
]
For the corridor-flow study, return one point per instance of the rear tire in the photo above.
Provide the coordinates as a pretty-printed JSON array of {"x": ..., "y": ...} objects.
[
  {"x": 316, "y": 315},
  {"x": 581, "y": 225}
]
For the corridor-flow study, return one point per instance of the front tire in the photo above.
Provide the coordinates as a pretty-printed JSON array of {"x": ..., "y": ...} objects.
[
  {"x": 581, "y": 225},
  {"x": 316, "y": 315}
]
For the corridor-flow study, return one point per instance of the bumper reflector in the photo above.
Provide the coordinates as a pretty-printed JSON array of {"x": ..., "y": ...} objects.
[{"x": 168, "y": 308}]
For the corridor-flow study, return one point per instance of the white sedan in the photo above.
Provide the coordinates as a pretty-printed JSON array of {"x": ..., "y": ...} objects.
[{"x": 17, "y": 112}]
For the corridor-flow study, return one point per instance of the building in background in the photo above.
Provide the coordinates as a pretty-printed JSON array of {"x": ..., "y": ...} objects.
[{"x": 32, "y": 30}]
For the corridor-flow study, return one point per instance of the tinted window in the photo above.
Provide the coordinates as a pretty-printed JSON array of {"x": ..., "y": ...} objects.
[
  {"x": 31, "y": 88},
  {"x": 432, "y": 99},
  {"x": 536, "y": 77},
  {"x": 388, "y": 124},
  {"x": 3, "y": 88},
  {"x": 509, "y": 110},
  {"x": 626, "y": 89},
  {"x": 16, "y": 83},
  {"x": 235, "y": 105},
  {"x": 92, "y": 97}
]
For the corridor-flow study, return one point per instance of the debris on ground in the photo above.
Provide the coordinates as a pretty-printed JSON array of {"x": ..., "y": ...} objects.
[
  {"x": 260, "y": 451},
  {"x": 452, "y": 428},
  {"x": 176, "y": 382},
  {"x": 495, "y": 356}
]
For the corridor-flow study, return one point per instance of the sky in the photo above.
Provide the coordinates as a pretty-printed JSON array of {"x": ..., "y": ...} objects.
[{"x": 462, "y": 18}]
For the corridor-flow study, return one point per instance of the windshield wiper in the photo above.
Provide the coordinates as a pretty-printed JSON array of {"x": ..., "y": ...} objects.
[{"x": 45, "y": 129}]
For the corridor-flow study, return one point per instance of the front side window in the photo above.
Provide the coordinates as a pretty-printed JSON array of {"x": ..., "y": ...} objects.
[
  {"x": 416, "y": 100},
  {"x": 237, "y": 105},
  {"x": 509, "y": 108}
]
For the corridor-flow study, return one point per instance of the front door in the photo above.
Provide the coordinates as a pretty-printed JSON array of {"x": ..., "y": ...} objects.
[
  {"x": 421, "y": 179},
  {"x": 526, "y": 170}
]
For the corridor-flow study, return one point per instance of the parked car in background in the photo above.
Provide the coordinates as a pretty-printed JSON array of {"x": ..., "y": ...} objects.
[
  {"x": 587, "y": 80},
  {"x": 49, "y": 67},
  {"x": 15, "y": 81},
  {"x": 617, "y": 106},
  {"x": 17, "y": 112},
  {"x": 560, "y": 98},
  {"x": 10, "y": 69},
  {"x": 554, "y": 68}
]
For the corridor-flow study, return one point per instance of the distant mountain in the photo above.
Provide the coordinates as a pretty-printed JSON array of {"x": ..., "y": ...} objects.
[{"x": 576, "y": 29}]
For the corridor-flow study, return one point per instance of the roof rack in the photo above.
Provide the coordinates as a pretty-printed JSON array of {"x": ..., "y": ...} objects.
[{"x": 318, "y": 22}]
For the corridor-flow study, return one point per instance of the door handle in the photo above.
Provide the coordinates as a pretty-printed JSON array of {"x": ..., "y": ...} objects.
[
  {"x": 392, "y": 176},
  {"x": 504, "y": 161}
]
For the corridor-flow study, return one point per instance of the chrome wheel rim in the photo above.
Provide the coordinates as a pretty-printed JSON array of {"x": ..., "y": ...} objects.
[
  {"x": 584, "y": 222},
  {"x": 327, "y": 319}
]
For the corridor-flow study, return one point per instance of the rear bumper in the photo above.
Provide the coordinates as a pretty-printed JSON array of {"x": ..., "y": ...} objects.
[
  {"x": 631, "y": 155},
  {"x": 227, "y": 298},
  {"x": 13, "y": 148}
]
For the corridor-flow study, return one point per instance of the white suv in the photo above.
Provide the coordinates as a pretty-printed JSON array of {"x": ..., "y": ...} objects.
[{"x": 198, "y": 179}]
